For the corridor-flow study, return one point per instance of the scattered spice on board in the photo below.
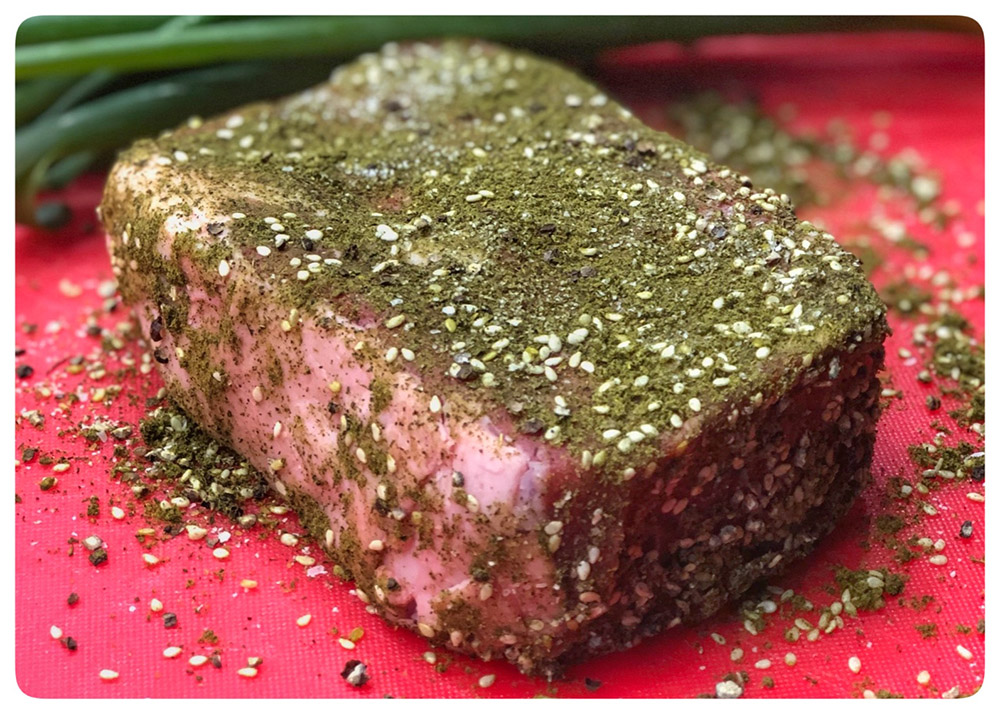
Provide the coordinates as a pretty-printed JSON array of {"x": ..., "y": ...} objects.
[
  {"x": 355, "y": 673},
  {"x": 867, "y": 587},
  {"x": 192, "y": 466}
]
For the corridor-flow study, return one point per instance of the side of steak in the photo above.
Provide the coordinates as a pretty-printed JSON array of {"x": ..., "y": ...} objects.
[{"x": 541, "y": 380}]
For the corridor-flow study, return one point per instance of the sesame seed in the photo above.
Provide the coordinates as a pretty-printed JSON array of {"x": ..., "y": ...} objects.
[
  {"x": 305, "y": 560},
  {"x": 108, "y": 675},
  {"x": 155, "y": 605},
  {"x": 695, "y": 404},
  {"x": 763, "y": 352},
  {"x": 55, "y": 632},
  {"x": 577, "y": 336},
  {"x": 346, "y": 643},
  {"x": 257, "y": 394},
  {"x": 248, "y": 584},
  {"x": 248, "y": 672},
  {"x": 150, "y": 559},
  {"x": 487, "y": 680},
  {"x": 923, "y": 677},
  {"x": 791, "y": 659},
  {"x": 224, "y": 268},
  {"x": 384, "y": 232},
  {"x": 289, "y": 539},
  {"x": 196, "y": 532},
  {"x": 197, "y": 660},
  {"x": 117, "y": 513},
  {"x": 263, "y": 251},
  {"x": 938, "y": 560},
  {"x": 435, "y": 404},
  {"x": 977, "y": 497},
  {"x": 396, "y": 321},
  {"x": 171, "y": 652},
  {"x": 762, "y": 664},
  {"x": 854, "y": 664},
  {"x": 728, "y": 689},
  {"x": 304, "y": 620},
  {"x": 963, "y": 652},
  {"x": 376, "y": 545},
  {"x": 220, "y": 553}
]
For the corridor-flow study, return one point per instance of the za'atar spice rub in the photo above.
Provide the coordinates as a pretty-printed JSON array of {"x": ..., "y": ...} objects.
[{"x": 541, "y": 380}]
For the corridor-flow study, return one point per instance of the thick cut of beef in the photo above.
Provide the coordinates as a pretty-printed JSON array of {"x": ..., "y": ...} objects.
[{"x": 541, "y": 380}]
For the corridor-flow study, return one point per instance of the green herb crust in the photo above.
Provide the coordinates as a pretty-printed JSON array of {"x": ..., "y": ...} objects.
[{"x": 541, "y": 249}]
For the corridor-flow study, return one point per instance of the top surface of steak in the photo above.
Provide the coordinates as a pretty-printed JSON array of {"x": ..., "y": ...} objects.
[{"x": 517, "y": 277}]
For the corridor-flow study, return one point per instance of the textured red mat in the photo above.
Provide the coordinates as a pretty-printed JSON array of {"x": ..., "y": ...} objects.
[{"x": 930, "y": 86}]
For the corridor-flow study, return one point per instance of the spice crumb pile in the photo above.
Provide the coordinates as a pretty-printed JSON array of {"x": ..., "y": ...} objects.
[{"x": 158, "y": 564}]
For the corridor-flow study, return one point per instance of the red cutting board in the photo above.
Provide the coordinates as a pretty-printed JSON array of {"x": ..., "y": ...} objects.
[{"x": 932, "y": 89}]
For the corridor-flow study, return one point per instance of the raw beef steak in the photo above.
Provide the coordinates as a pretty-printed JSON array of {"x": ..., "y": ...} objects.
[{"x": 541, "y": 380}]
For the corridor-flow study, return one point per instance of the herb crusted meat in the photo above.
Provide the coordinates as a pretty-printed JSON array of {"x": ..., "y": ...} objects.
[{"x": 541, "y": 380}]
